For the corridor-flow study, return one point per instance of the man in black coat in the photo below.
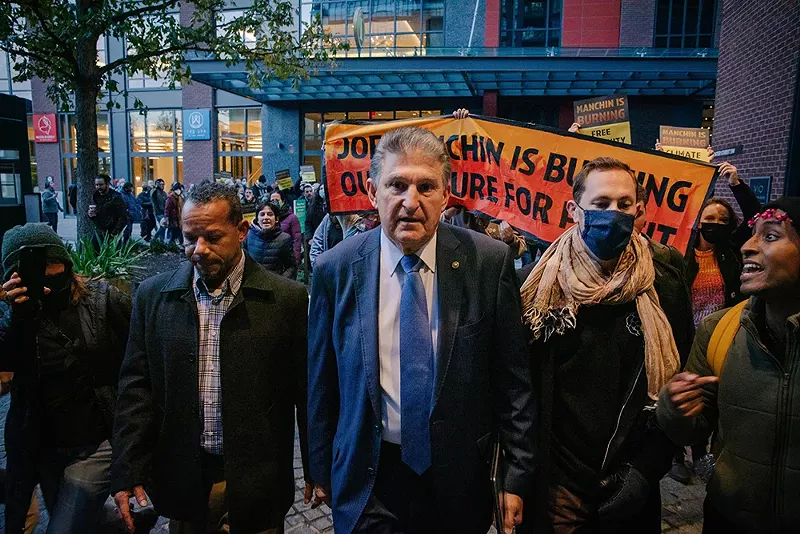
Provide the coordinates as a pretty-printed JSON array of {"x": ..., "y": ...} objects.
[
  {"x": 108, "y": 211},
  {"x": 203, "y": 362}
]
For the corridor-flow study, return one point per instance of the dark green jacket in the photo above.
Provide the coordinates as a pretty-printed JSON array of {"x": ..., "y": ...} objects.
[{"x": 756, "y": 405}]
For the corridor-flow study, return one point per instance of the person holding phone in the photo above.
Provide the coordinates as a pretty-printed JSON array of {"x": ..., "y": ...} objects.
[{"x": 63, "y": 337}]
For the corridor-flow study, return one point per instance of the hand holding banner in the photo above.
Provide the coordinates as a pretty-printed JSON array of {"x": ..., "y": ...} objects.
[{"x": 522, "y": 174}]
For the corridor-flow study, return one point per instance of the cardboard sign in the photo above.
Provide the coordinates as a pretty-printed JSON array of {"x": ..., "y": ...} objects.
[
  {"x": 605, "y": 117},
  {"x": 308, "y": 174},
  {"x": 284, "y": 179},
  {"x": 45, "y": 128},
  {"x": 690, "y": 143},
  {"x": 522, "y": 174}
]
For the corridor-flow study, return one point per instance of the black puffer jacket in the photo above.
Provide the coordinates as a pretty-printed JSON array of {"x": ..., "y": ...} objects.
[
  {"x": 66, "y": 369},
  {"x": 273, "y": 249},
  {"x": 729, "y": 255}
]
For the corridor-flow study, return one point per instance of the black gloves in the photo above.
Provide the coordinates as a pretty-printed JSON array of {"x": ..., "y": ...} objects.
[{"x": 623, "y": 493}]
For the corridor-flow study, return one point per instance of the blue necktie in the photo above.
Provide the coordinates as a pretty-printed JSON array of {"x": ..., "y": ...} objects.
[{"x": 416, "y": 369}]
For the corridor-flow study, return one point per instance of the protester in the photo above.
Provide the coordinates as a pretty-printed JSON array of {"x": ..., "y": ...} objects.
[
  {"x": 159, "y": 204},
  {"x": 206, "y": 409},
  {"x": 249, "y": 202},
  {"x": 134, "y": 210},
  {"x": 108, "y": 210},
  {"x": 742, "y": 378},
  {"x": 260, "y": 188},
  {"x": 50, "y": 205},
  {"x": 611, "y": 324},
  {"x": 269, "y": 245},
  {"x": 289, "y": 223},
  {"x": 145, "y": 201},
  {"x": 429, "y": 304},
  {"x": 327, "y": 235},
  {"x": 72, "y": 191},
  {"x": 173, "y": 212},
  {"x": 65, "y": 350},
  {"x": 714, "y": 264},
  {"x": 714, "y": 259}
]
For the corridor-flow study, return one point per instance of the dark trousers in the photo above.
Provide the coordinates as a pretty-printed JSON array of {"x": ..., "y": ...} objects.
[
  {"x": 52, "y": 220},
  {"x": 567, "y": 513},
  {"x": 216, "y": 518},
  {"x": 715, "y": 523},
  {"x": 402, "y": 502}
]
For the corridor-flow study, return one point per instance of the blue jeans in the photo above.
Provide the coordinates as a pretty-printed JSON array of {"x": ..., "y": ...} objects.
[{"x": 75, "y": 483}]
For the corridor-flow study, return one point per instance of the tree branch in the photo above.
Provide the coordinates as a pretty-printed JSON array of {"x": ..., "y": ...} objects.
[
  {"x": 33, "y": 55},
  {"x": 146, "y": 55},
  {"x": 122, "y": 17},
  {"x": 65, "y": 52}
]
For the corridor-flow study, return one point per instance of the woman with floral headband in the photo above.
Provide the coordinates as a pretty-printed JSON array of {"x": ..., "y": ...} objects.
[{"x": 748, "y": 384}]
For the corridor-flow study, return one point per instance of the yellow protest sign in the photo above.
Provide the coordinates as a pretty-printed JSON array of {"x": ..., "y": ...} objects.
[
  {"x": 522, "y": 174},
  {"x": 690, "y": 143},
  {"x": 605, "y": 117}
]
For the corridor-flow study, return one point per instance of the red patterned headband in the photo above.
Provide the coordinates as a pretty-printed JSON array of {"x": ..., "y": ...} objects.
[{"x": 770, "y": 214}]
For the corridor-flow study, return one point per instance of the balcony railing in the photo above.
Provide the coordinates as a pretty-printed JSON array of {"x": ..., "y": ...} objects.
[{"x": 632, "y": 52}]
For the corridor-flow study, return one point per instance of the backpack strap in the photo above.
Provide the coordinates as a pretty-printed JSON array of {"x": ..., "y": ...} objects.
[{"x": 722, "y": 337}]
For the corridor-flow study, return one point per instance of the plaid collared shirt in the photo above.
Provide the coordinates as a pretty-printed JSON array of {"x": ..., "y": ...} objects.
[{"x": 211, "y": 308}]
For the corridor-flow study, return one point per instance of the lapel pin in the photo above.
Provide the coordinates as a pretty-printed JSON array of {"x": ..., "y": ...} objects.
[{"x": 455, "y": 265}]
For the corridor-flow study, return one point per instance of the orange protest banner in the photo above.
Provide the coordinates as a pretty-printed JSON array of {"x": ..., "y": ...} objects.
[{"x": 522, "y": 174}]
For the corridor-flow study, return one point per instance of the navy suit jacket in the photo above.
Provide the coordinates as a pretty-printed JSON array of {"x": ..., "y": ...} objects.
[{"x": 483, "y": 383}]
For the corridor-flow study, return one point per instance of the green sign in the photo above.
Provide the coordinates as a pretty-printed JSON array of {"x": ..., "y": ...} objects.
[{"x": 300, "y": 211}]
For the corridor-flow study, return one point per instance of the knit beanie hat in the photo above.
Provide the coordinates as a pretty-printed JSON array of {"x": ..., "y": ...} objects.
[{"x": 32, "y": 234}]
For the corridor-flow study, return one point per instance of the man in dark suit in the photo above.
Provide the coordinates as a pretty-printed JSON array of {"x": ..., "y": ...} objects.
[
  {"x": 417, "y": 361},
  {"x": 214, "y": 369}
]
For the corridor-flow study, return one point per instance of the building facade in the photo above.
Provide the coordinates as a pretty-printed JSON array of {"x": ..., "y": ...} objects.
[{"x": 518, "y": 59}]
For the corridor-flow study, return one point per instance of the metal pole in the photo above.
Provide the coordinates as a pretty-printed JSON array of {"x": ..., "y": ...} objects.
[{"x": 474, "y": 16}]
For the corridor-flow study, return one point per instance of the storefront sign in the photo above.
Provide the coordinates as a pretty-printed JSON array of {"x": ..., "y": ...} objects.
[
  {"x": 761, "y": 187},
  {"x": 196, "y": 124},
  {"x": 690, "y": 143},
  {"x": 605, "y": 117},
  {"x": 45, "y": 128},
  {"x": 522, "y": 174}
]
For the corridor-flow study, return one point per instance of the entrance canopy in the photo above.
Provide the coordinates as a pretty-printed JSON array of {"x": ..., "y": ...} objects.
[{"x": 574, "y": 72}]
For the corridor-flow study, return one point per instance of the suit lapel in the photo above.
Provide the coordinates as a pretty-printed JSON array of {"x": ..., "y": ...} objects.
[
  {"x": 366, "y": 269},
  {"x": 450, "y": 270}
]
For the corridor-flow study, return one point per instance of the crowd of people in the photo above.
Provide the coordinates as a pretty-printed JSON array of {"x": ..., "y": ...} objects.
[{"x": 433, "y": 386}]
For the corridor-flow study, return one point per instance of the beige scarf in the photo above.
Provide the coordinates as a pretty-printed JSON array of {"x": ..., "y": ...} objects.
[{"x": 567, "y": 277}]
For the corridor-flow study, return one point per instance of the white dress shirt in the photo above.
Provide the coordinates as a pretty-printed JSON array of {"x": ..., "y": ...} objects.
[{"x": 392, "y": 277}]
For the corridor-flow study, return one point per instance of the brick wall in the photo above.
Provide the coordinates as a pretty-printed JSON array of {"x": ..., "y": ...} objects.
[
  {"x": 198, "y": 156},
  {"x": 591, "y": 23},
  {"x": 637, "y": 21},
  {"x": 491, "y": 35},
  {"x": 756, "y": 84},
  {"x": 48, "y": 155}
]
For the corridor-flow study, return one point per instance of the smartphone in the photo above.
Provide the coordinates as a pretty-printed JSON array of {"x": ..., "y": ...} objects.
[{"x": 32, "y": 267}]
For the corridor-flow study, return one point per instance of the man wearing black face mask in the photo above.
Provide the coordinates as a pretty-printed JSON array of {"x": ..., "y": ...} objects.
[
  {"x": 65, "y": 350},
  {"x": 611, "y": 324}
]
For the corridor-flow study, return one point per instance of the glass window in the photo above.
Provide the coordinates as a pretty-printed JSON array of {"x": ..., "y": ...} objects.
[
  {"x": 156, "y": 145},
  {"x": 139, "y": 80},
  {"x": 391, "y": 28},
  {"x": 225, "y": 17},
  {"x": 240, "y": 142},
  {"x": 685, "y": 23},
  {"x": 528, "y": 23}
]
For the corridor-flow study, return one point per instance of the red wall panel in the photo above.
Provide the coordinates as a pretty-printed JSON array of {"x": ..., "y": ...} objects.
[{"x": 591, "y": 23}]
